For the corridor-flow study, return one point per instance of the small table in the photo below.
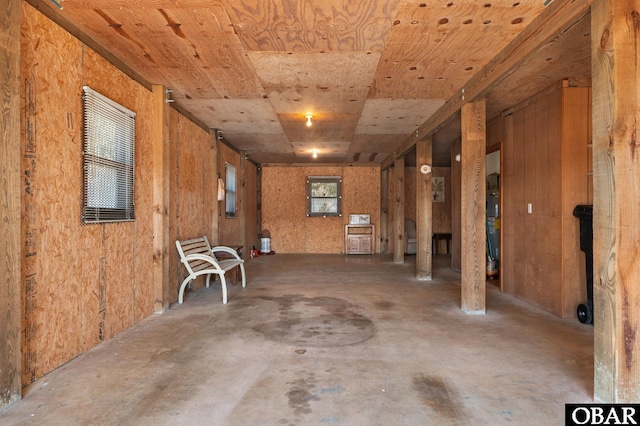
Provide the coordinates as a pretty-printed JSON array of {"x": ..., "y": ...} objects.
[
  {"x": 437, "y": 236},
  {"x": 222, "y": 256}
]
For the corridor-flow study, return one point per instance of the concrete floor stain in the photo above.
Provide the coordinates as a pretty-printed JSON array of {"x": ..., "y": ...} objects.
[
  {"x": 435, "y": 393},
  {"x": 316, "y": 322}
]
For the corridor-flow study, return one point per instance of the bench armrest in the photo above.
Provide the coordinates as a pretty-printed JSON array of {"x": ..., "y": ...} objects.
[{"x": 226, "y": 249}]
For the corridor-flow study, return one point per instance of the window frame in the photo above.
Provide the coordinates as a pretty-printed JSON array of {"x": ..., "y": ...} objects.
[
  {"x": 230, "y": 190},
  {"x": 311, "y": 180},
  {"x": 108, "y": 151}
]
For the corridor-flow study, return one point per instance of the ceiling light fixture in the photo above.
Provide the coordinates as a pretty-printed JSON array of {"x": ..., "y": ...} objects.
[
  {"x": 309, "y": 124},
  {"x": 314, "y": 153}
]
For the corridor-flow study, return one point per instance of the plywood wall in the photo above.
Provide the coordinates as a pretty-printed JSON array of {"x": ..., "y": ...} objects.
[
  {"x": 82, "y": 284},
  {"x": 192, "y": 195},
  {"x": 284, "y": 207},
  {"x": 231, "y": 229}
]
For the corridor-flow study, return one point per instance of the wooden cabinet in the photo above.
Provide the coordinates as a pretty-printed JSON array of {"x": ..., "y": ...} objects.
[{"x": 359, "y": 239}]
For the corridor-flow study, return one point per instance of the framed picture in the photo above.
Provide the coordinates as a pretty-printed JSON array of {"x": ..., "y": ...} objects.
[
  {"x": 437, "y": 189},
  {"x": 359, "y": 219}
]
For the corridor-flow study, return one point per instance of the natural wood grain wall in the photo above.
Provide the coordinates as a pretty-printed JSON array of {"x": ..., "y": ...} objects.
[
  {"x": 545, "y": 165},
  {"x": 10, "y": 189},
  {"x": 284, "y": 207},
  {"x": 82, "y": 284}
]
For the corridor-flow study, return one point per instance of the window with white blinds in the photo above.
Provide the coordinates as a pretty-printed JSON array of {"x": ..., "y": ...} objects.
[
  {"x": 230, "y": 190},
  {"x": 109, "y": 135}
]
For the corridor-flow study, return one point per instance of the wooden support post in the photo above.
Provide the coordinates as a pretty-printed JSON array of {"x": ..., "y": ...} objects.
[
  {"x": 424, "y": 216},
  {"x": 10, "y": 184},
  {"x": 217, "y": 173},
  {"x": 398, "y": 211},
  {"x": 160, "y": 199},
  {"x": 456, "y": 202},
  {"x": 383, "y": 227},
  {"x": 242, "y": 202},
  {"x": 474, "y": 215},
  {"x": 616, "y": 200}
]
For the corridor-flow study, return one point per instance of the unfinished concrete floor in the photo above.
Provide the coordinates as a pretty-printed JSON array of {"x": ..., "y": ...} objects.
[{"x": 326, "y": 339}]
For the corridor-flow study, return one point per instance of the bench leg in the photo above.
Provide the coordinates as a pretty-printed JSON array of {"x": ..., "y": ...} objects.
[
  {"x": 182, "y": 287},
  {"x": 223, "y": 282},
  {"x": 244, "y": 278}
]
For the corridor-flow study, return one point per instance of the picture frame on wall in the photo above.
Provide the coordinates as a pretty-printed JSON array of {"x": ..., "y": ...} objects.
[{"x": 437, "y": 189}]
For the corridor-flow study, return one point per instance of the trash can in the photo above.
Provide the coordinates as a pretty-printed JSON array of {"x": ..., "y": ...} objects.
[{"x": 585, "y": 214}]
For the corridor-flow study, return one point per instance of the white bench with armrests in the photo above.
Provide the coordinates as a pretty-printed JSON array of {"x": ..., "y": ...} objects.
[{"x": 199, "y": 258}]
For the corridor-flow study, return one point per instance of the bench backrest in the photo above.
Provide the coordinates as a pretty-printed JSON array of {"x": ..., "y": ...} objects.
[{"x": 195, "y": 246}]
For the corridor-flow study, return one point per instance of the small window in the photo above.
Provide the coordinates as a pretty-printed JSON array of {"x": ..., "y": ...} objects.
[
  {"x": 230, "y": 190},
  {"x": 323, "y": 196},
  {"x": 108, "y": 160}
]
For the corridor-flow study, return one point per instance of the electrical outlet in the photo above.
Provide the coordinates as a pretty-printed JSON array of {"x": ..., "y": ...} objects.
[{"x": 529, "y": 208}]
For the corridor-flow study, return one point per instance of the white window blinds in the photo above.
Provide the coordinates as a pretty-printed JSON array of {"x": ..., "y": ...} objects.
[{"x": 108, "y": 160}]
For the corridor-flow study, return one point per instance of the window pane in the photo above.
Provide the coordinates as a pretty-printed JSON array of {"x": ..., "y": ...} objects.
[
  {"x": 324, "y": 189},
  {"x": 230, "y": 190},
  {"x": 109, "y": 143},
  {"x": 324, "y": 205}
]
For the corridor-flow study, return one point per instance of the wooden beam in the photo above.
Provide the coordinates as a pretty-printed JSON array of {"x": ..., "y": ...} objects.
[
  {"x": 10, "y": 184},
  {"x": 616, "y": 200},
  {"x": 398, "y": 211},
  {"x": 474, "y": 214},
  {"x": 383, "y": 228},
  {"x": 558, "y": 17},
  {"x": 424, "y": 215},
  {"x": 160, "y": 199}
]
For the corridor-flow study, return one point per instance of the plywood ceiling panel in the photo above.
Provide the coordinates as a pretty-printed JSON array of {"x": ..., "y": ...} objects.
[
  {"x": 311, "y": 26},
  {"x": 370, "y": 71}
]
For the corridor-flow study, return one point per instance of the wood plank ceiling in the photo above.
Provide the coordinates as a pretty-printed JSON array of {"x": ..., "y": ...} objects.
[{"x": 370, "y": 72}]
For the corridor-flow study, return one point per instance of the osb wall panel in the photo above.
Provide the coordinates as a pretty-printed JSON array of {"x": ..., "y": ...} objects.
[
  {"x": 361, "y": 194},
  {"x": 284, "y": 207},
  {"x": 192, "y": 193},
  {"x": 231, "y": 232},
  {"x": 82, "y": 284}
]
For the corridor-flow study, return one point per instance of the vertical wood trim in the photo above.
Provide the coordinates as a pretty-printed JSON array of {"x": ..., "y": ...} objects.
[
  {"x": 507, "y": 208},
  {"x": 161, "y": 191},
  {"x": 424, "y": 213},
  {"x": 217, "y": 173},
  {"x": 242, "y": 211},
  {"x": 456, "y": 202},
  {"x": 616, "y": 200},
  {"x": 383, "y": 228},
  {"x": 10, "y": 184},
  {"x": 473, "y": 217},
  {"x": 398, "y": 217}
]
